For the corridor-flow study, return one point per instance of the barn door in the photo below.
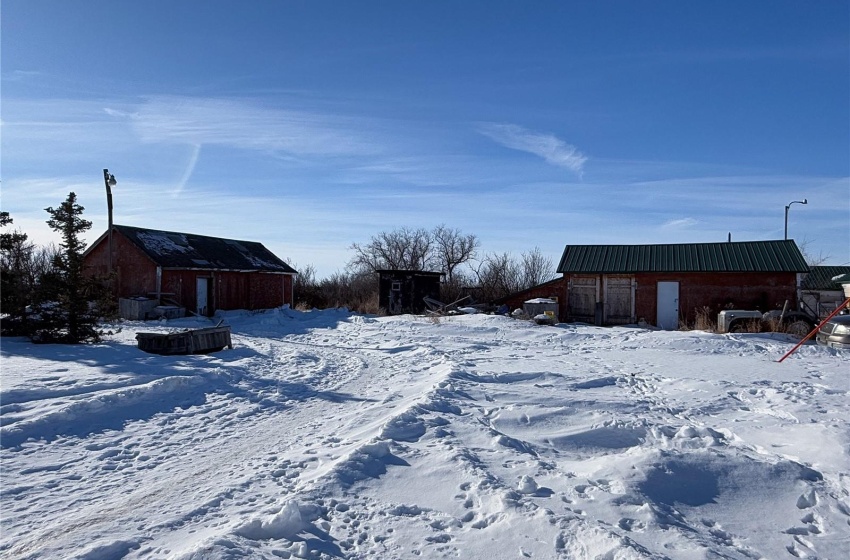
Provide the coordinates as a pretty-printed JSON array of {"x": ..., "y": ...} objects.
[
  {"x": 618, "y": 300},
  {"x": 582, "y": 298},
  {"x": 202, "y": 292},
  {"x": 668, "y": 305}
]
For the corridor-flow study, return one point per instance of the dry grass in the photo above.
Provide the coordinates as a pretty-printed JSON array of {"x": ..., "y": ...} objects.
[
  {"x": 705, "y": 319},
  {"x": 774, "y": 325},
  {"x": 369, "y": 305},
  {"x": 753, "y": 326}
]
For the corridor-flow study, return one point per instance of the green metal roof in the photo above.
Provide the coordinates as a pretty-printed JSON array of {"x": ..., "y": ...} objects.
[
  {"x": 746, "y": 256},
  {"x": 820, "y": 277}
]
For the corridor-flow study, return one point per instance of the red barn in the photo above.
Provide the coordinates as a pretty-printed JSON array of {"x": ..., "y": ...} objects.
[
  {"x": 202, "y": 274},
  {"x": 664, "y": 284}
]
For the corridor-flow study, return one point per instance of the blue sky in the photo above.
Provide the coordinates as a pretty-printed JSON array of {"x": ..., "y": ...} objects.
[{"x": 312, "y": 125}]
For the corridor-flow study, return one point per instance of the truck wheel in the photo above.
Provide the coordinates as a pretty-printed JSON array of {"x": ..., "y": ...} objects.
[{"x": 799, "y": 328}]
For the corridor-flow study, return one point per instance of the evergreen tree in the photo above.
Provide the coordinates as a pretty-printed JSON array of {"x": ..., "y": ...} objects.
[
  {"x": 15, "y": 289},
  {"x": 70, "y": 317}
]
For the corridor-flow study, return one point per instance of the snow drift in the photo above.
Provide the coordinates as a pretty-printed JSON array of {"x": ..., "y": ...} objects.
[{"x": 333, "y": 435}]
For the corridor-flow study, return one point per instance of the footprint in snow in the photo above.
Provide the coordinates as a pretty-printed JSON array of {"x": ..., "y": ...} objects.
[
  {"x": 528, "y": 486},
  {"x": 807, "y": 500}
]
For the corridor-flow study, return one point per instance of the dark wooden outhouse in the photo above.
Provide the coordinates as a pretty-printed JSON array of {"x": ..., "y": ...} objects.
[{"x": 402, "y": 291}]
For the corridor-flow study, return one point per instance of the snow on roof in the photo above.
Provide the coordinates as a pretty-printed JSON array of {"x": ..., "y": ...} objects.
[
  {"x": 841, "y": 279},
  {"x": 186, "y": 250},
  {"x": 162, "y": 243}
]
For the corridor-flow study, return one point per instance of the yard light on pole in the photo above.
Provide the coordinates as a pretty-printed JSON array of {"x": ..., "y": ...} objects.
[
  {"x": 788, "y": 207},
  {"x": 109, "y": 181}
]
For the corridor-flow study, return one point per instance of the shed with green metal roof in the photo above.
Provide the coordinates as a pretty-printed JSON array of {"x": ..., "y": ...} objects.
[
  {"x": 668, "y": 284},
  {"x": 823, "y": 289}
]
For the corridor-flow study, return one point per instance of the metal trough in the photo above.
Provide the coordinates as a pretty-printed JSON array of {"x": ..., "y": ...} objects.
[{"x": 195, "y": 341}]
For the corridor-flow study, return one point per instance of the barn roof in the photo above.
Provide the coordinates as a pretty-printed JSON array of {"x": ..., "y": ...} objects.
[
  {"x": 746, "y": 256},
  {"x": 170, "y": 249},
  {"x": 821, "y": 277}
]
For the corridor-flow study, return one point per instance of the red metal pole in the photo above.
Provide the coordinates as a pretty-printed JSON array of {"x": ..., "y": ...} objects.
[{"x": 815, "y": 330}]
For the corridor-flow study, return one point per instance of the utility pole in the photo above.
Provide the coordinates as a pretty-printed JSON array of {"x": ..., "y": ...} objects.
[
  {"x": 109, "y": 181},
  {"x": 788, "y": 207}
]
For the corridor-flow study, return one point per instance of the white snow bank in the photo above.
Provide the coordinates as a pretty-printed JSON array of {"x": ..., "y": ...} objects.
[
  {"x": 331, "y": 435},
  {"x": 285, "y": 524}
]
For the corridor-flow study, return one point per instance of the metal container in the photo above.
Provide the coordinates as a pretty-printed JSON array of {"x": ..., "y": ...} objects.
[
  {"x": 541, "y": 306},
  {"x": 196, "y": 341}
]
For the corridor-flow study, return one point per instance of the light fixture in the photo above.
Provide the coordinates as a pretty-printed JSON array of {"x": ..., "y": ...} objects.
[{"x": 788, "y": 207}]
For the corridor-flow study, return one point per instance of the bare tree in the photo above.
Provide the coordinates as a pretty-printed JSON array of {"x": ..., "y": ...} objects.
[
  {"x": 358, "y": 291},
  {"x": 811, "y": 258},
  {"x": 501, "y": 274},
  {"x": 447, "y": 250},
  {"x": 498, "y": 275},
  {"x": 443, "y": 249},
  {"x": 536, "y": 268},
  {"x": 453, "y": 249},
  {"x": 401, "y": 249},
  {"x": 305, "y": 286}
]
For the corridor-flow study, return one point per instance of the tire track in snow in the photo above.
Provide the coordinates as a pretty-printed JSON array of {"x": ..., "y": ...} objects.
[{"x": 291, "y": 387}]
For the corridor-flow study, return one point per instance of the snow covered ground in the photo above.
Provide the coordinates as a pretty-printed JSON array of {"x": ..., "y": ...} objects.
[{"x": 332, "y": 435}]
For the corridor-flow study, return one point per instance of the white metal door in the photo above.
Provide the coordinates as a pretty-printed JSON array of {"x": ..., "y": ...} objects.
[
  {"x": 202, "y": 296},
  {"x": 668, "y": 305}
]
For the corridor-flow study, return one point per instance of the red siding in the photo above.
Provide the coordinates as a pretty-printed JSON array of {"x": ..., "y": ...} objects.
[
  {"x": 255, "y": 290},
  {"x": 741, "y": 290},
  {"x": 288, "y": 286},
  {"x": 136, "y": 273},
  {"x": 180, "y": 286},
  {"x": 230, "y": 290}
]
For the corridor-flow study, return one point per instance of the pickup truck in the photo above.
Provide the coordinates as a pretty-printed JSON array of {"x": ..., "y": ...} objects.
[{"x": 794, "y": 322}]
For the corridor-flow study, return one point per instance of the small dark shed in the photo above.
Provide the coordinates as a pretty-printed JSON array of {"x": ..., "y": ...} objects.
[{"x": 402, "y": 291}]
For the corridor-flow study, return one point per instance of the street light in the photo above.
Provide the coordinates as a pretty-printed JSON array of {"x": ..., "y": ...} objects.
[
  {"x": 109, "y": 181},
  {"x": 788, "y": 207}
]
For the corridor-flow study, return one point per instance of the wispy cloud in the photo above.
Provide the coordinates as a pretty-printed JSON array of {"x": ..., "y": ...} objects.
[
  {"x": 241, "y": 124},
  {"x": 548, "y": 146},
  {"x": 20, "y": 75},
  {"x": 681, "y": 223},
  {"x": 190, "y": 167}
]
